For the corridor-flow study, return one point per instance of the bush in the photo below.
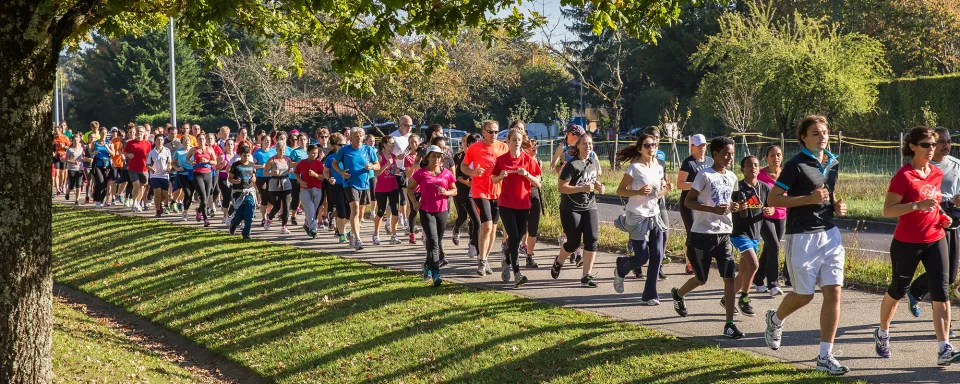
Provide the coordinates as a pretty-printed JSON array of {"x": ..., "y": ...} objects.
[
  {"x": 207, "y": 123},
  {"x": 900, "y": 105}
]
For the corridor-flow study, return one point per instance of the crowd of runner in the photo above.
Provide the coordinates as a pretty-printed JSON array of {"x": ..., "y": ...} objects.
[{"x": 333, "y": 178}]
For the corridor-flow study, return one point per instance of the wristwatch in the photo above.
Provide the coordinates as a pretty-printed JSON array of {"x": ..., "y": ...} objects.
[{"x": 914, "y": 206}]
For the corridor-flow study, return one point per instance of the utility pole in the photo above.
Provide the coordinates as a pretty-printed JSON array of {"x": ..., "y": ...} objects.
[
  {"x": 56, "y": 99},
  {"x": 173, "y": 79}
]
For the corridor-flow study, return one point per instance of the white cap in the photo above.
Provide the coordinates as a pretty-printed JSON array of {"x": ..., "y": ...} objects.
[
  {"x": 698, "y": 140},
  {"x": 433, "y": 148}
]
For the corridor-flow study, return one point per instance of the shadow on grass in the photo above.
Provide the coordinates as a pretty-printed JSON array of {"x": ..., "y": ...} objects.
[{"x": 294, "y": 315}]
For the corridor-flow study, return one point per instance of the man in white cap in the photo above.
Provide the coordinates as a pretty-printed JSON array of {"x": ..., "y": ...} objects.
[
  {"x": 689, "y": 168},
  {"x": 401, "y": 140}
]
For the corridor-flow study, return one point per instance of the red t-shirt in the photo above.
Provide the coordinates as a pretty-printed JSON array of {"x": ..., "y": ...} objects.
[
  {"x": 139, "y": 149},
  {"x": 918, "y": 226},
  {"x": 303, "y": 168},
  {"x": 483, "y": 156},
  {"x": 516, "y": 188}
]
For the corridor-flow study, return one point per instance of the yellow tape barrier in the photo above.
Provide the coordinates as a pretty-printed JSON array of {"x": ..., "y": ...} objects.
[{"x": 844, "y": 141}]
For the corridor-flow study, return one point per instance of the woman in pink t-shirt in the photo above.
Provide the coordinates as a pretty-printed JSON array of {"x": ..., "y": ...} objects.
[
  {"x": 386, "y": 189},
  {"x": 436, "y": 185},
  {"x": 771, "y": 230}
]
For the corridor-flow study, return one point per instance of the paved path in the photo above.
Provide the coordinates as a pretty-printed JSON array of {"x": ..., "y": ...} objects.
[{"x": 913, "y": 342}]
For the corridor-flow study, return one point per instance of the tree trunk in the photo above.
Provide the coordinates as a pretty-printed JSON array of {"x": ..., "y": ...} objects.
[{"x": 31, "y": 43}]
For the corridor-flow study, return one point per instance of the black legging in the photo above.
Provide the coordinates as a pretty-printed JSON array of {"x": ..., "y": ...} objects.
[
  {"x": 392, "y": 199},
  {"x": 294, "y": 196},
  {"x": 226, "y": 194},
  {"x": 771, "y": 231},
  {"x": 338, "y": 201},
  {"x": 186, "y": 185},
  {"x": 412, "y": 220},
  {"x": 466, "y": 210},
  {"x": 101, "y": 176},
  {"x": 533, "y": 221},
  {"x": 514, "y": 221},
  {"x": 580, "y": 225},
  {"x": 281, "y": 203},
  {"x": 921, "y": 285},
  {"x": 433, "y": 226},
  {"x": 203, "y": 185},
  {"x": 904, "y": 258}
]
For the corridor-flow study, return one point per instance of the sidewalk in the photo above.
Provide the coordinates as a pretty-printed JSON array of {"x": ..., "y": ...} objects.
[{"x": 912, "y": 340}]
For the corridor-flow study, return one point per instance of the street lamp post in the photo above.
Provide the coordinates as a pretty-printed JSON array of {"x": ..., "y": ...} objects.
[{"x": 173, "y": 79}]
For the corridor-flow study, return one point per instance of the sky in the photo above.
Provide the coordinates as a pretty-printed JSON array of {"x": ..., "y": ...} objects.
[{"x": 551, "y": 10}]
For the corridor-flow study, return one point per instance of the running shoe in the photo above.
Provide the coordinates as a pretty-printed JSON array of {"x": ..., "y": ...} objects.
[
  {"x": 773, "y": 333},
  {"x": 831, "y": 366},
  {"x": 531, "y": 263},
  {"x": 661, "y": 276},
  {"x": 689, "y": 269},
  {"x": 723, "y": 303},
  {"x": 426, "y": 273},
  {"x": 263, "y": 223},
  {"x": 504, "y": 270},
  {"x": 413, "y": 238},
  {"x": 284, "y": 230},
  {"x": 86, "y": 200},
  {"x": 486, "y": 268},
  {"x": 744, "y": 304},
  {"x": 233, "y": 230},
  {"x": 206, "y": 223},
  {"x": 350, "y": 239},
  {"x": 443, "y": 261},
  {"x": 882, "y": 344},
  {"x": 313, "y": 234},
  {"x": 394, "y": 239},
  {"x": 107, "y": 203},
  {"x": 358, "y": 244},
  {"x": 760, "y": 289},
  {"x": 730, "y": 330},
  {"x": 588, "y": 282},
  {"x": 638, "y": 273},
  {"x": 519, "y": 280},
  {"x": 76, "y": 202},
  {"x": 266, "y": 224},
  {"x": 98, "y": 206},
  {"x": 914, "y": 304},
  {"x": 679, "y": 304},
  {"x": 617, "y": 279},
  {"x": 555, "y": 269},
  {"x": 375, "y": 240},
  {"x": 472, "y": 252},
  {"x": 299, "y": 212},
  {"x": 293, "y": 220},
  {"x": 579, "y": 258},
  {"x": 199, "y": 215},
  {"x": 455, "y": 238},
  {"x": 166, "y": 210},
  {"x": 480, "y": 270},
  {"x": 128, "y": 203},
  {"x": 437, "y": 281},
  {"x": 180, "y": 207},
  {"x": 386, "y": 228},
  {"x": 183, "y": 217},
  {"x": 341, "y": 239},
  {"x": 948, "y": 355},
  {"x": 650, "y": 303},
  {"x": 159, "y": 212},
  {"x": 775, "y": 291}
]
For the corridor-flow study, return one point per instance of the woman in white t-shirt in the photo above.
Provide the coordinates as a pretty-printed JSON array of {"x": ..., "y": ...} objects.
[{"x": 643, "y": 184}]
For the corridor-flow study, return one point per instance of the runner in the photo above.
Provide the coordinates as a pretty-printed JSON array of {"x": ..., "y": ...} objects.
[
  {"x": 323, "y": 136},
  {"x": 279, "y": 186},
  {"x": 243, "y": 177},
  {"x": 401, "y": 144},
  {"x": 60, "y": 145},
  {"x": 354, "y": 162},
  {"x": 517, "y": 172},
  {"x": 225, "y": 163},
  {"x": 215, "y": 176},
  {"x": 371, "y": 209},
  {"x": 120, "y": 175},
  {"x": 203, "y": 160},
  {"x": 409, "y": 167},
  {"x": 710, "y": 199},
  {"x": 697, "y": 161},
  {"x": 577, "y": 185},
  {"x": 260, "y": 157},
  {"x": 464, "y": 202},
  {"x": 184, "y": 170},
  {"x": 159, "y": 162},
  {"x": 771, "y": 231},
  {"x": 136, "y": 151},
  {"x": 561, "y": 157},
  {"x": 296, "y": 153},
  {"x": 752, "y": 198},
  {"x": 643, "y": 184},
  {"x": 478, "y": 164},
  {"x": 529, "y": 242},
  {"x": 74, "y": 158},
  {"x": 950, "y": 191},
  {"x": 914, "y": 197},
  {"x": 309, "y": 174},
  {"x": 662, "y": 160},
  {"x": 438, "y": 185},
  {"x": 102, "y": 170},
  {"x": 815, "y": 254},
  {"x": 387, "y": 190},
  {"x": 337, "y": 201}
]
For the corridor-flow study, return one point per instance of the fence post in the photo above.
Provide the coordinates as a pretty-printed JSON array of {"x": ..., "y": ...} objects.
[
  {"x": 839, "y": 143},
  {"x": 551, "y": 152},
  {"x": 901, "y": 146},
  {"x": 781, "y": 142}
]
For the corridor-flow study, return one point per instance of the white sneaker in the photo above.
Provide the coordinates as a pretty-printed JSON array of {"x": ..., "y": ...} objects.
[
  {"x": 472, "y": 252},
  {"x": 775, "y": 291},
  {"x": 831, "y": 366},
  {"x": 760, "y": 289},
  {"x": 948, "y": 355},
  {"x": 183, "y": 217},
  {"x": 774, "y": 332},
  {"x": 375, "y": 240},
  {"x": 99, "y": 206},
  {"x": 394, "y": 239},
  {"x": 650, "y": 303},
  {"x": 284, "y": 230}
]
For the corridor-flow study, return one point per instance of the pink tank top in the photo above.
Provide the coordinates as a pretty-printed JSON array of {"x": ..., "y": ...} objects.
[{"x": 778, "y": 212}]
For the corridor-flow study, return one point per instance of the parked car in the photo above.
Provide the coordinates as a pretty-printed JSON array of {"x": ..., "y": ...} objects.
[{"x": 634, "y": 133}]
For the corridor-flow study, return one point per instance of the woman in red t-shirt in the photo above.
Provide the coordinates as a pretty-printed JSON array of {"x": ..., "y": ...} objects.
[
  {"x": 518, "y": 172},
  {"x": 914, "y": 197}
]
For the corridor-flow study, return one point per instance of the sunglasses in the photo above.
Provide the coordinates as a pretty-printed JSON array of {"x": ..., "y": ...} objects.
[
  {"x": 649, "y": 145},
  {"x": 925, "y": 145},
  {"x": 944, "y": 142},
  {"x": 324, "y": 137},
  {"x": 492, "y": 132}
]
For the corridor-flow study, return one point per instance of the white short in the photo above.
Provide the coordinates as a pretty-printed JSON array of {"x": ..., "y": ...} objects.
[{"x": 815, "y": 259}]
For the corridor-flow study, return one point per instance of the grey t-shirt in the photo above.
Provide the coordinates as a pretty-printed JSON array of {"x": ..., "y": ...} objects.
[
  {"x": 951, "y": 176},
  {"x": 579, "y": 172},
  {"x": 74, "y": 154}
]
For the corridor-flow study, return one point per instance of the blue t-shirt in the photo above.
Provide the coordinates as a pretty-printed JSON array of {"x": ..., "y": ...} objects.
[
  {"x": 296, "y": 155},
  {"x": 261, "y": 157},
  {"x": 328, "y": 164},
  {"x": 102, "y": 157},
  {"x": 181, "y": 156},
  {"x": 354, "y": 161}
]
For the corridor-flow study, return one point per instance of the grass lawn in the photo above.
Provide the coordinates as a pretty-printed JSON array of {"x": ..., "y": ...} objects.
[
  {"x": 86, "y": 351},
  {"x": 298, "y": 316}
]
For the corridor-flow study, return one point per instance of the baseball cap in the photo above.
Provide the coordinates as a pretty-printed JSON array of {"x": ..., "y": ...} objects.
[
  {"x": 575, "y": 129},
  {"x": 698, "y": 140},
  {"x": 433, "y": 148}
]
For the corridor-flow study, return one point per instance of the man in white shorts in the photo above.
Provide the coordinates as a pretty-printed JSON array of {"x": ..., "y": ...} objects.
[{"x": 814, "y": 251}]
